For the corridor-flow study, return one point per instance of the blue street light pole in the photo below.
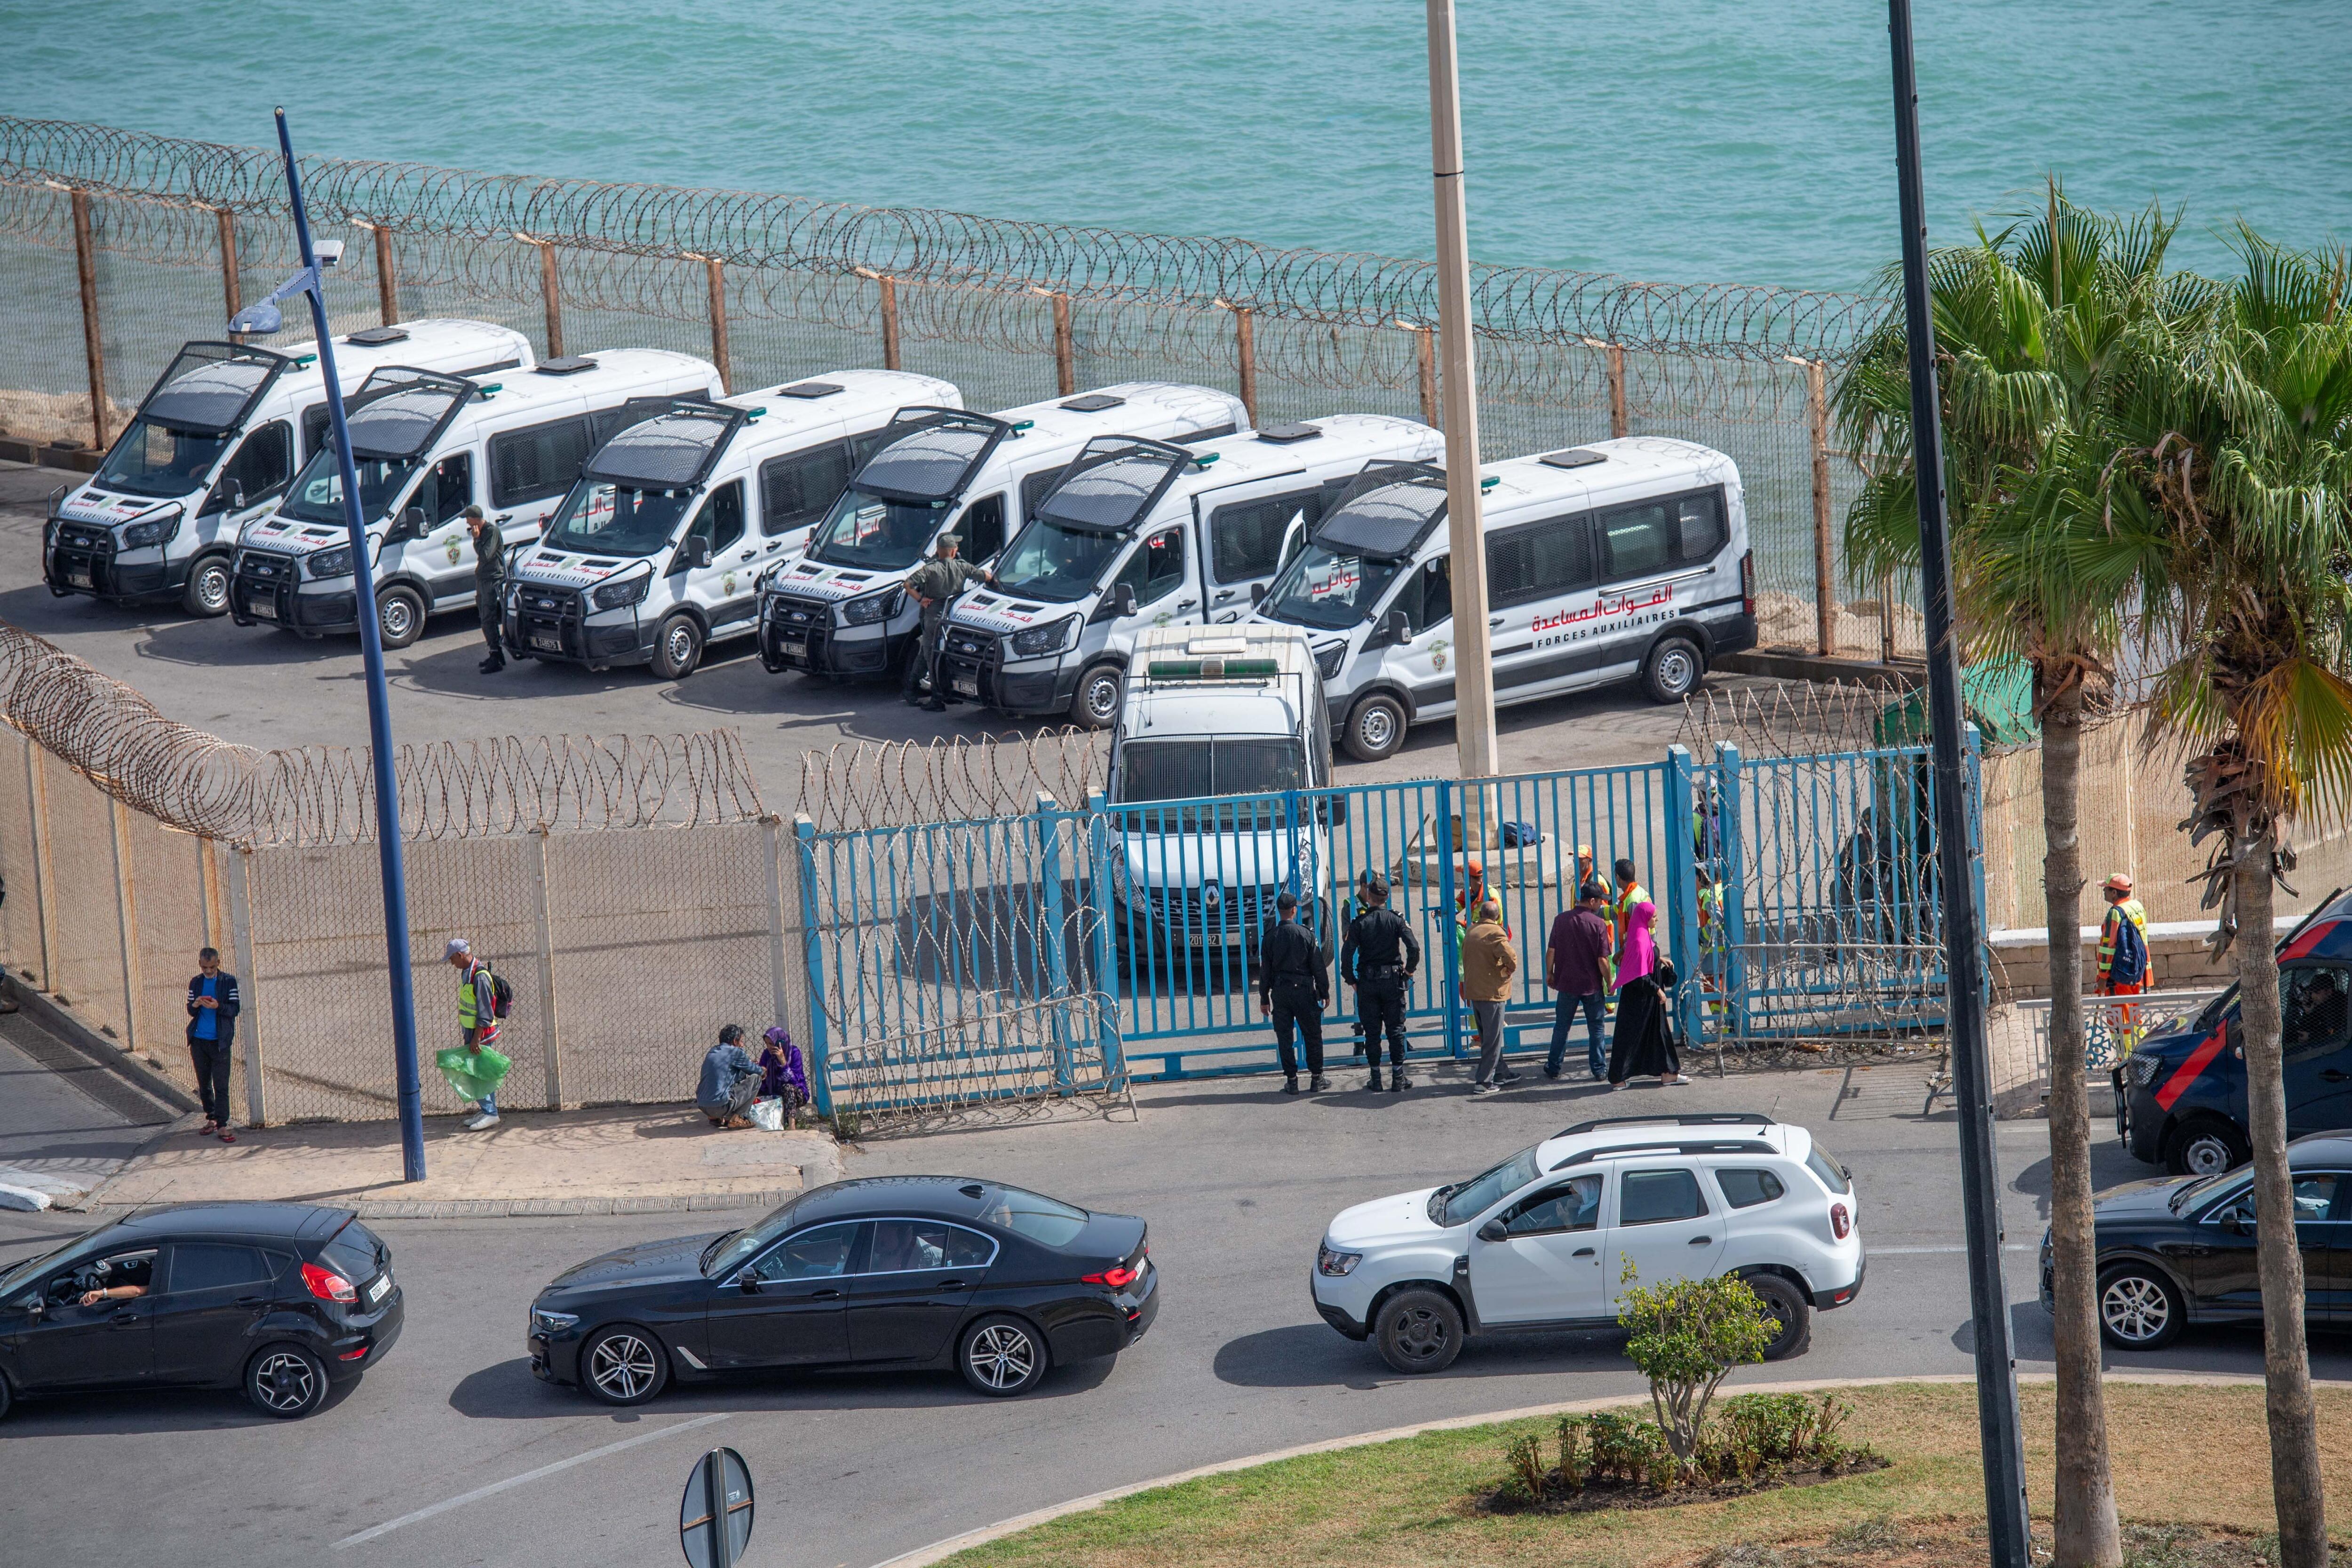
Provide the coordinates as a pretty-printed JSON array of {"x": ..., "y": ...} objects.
[{"x": 266, "y": 317}]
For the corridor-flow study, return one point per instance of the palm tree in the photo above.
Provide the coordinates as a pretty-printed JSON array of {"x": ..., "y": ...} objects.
[
  {"x": 2230, "y": 452},
  {"x": 2031, "y": 328}
]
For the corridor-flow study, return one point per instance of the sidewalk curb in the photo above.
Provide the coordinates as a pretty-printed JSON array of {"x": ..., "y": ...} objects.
[
  {"x": 62, "y": 1021},
  {"x": 940, "y": 1550},
  {"x": 524, "y": 1208}
]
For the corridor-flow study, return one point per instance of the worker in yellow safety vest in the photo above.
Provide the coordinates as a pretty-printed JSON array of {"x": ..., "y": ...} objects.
[{"x": 2123, "y": 957}]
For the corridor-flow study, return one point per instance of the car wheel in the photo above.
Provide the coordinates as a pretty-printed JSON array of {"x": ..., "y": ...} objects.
[
  {"x": 2205, "y": 1146},
  {"x": 677, "y": 647},
  {"x": 1792, "y": 1315},
  {"x": 623, "y": 1365},
  {"x": 1673, "y": 670},
  {"x": 399, "y": 617},
  {"x": 2140, "y": 1310},
  {"x": 206, "y": 593},
  {"x": 1375, "y": 728},
  {"x": 286, "y": 1381},
  {"x": 7, "y": 1397},
  {"x": 1095, "y": 705},
  {"x": 1001, "y": 1356},
  {"x": 1418, "y": 1332}
]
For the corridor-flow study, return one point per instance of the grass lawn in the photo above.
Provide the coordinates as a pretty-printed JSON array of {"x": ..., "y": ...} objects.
[{"x": 2186, "y": 1456}]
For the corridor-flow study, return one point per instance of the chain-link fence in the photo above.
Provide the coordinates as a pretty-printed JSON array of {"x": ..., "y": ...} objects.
[{"x": 116, "y": 247}]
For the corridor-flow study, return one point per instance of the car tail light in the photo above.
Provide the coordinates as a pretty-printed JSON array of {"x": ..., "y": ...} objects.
[
  {"x": 1118, "y": 1278},
  {"x": 1840, "y": 1222},
  {"x": 328, "y": 1286},
  {"x": 354, "y": 1355},
  {"x": 1748, "y": 583}
]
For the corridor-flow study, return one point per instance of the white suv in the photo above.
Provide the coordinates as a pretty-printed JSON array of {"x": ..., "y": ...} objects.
[{"x": 1543, "y": 1239}]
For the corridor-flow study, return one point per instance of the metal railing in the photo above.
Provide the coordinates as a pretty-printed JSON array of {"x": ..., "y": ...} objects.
[{"x": 2112, "y": 1025}]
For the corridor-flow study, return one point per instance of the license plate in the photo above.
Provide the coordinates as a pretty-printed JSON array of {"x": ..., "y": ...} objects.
[
  {"x": 548, "y": 643},
  {"x": 379, "y": 1289},
  {"x": 264, "y": 608},
  {"x": 77, "y": 579},
  {"x": 967, "y": 688}
]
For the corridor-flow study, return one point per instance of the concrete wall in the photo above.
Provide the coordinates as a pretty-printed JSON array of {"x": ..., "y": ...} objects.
[{"x": 2179, "y": 956}]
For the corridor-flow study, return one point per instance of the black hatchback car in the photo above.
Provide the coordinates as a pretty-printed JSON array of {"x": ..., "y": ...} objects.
[
  {"x": 2176, "y": 1252},
  {"x": 280, "y": 1300},
  {"x": 895, "y": 1271}
]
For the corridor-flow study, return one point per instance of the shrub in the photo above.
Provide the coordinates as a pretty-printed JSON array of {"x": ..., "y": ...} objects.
[{"x": 1685, "y": 1337}]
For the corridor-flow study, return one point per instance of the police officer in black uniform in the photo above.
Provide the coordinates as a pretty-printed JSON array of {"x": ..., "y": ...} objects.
[
  {"x": 1295, "y": 986},
  {"x": 1371, "y": 961}
]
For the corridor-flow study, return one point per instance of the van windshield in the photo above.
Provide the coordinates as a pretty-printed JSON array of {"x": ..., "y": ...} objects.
[
  {"x": 601, "y": 518},
  {"x": 318, "y": 494},
  {"x": 1330, "y": 592},
  {"x": 1047, "y": 560},
  {"x": 1188, "y": 770},
  {"x": 155, "y": 459},
  {"x": 877, "y": 532}
]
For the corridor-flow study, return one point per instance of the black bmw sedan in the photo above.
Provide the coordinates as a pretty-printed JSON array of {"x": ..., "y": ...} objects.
[
  {"x": 280, "y": 1299},
  {"x": 2182, "y": 1251},
  {"x": 891, "y": 1271}
]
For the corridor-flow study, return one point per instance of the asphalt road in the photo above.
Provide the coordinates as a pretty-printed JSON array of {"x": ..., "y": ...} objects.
[
  {"x": 270, "y": 688},
  {"x": 450, "y": 1453}
]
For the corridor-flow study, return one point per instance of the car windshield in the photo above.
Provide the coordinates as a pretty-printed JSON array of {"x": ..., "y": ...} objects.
[
  {"x": 600, "y": 519},
  {"x": 1035, "y": 1215},
  {"x": 1047, "y": 560},
  {"x": 877, "y": 532},
  {"x": 732, "y": 1250},
  {"x": 318, "y": 494},
  {"x": 1464, "y": 1201},
  {"x": 1329, "y": 592},
  {"x": 1187, "y": 770},
  {"x": 155, "y": 459},
  {"x": 21, "y": 1272}
]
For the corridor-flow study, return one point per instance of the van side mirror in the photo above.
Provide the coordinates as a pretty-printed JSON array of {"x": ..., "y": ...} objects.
[
  {"x": 410, "y": 526},
  {"x": 1258, "y": 594},
  {"x": 1395, "y": 632},
  {"x": 1122, "y": 598},
  {"x": 1494, "y": 1230},
  {"x": 698, "y": 550},
  {"x": 1332, "y": 810}
]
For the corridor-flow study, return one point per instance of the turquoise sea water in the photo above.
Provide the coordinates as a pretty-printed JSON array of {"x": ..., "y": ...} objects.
[{"x": 1688, "y": 141}]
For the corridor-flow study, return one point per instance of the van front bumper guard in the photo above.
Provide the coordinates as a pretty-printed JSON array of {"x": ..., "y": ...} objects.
[
  {"x": 974, "y": 667},
  {"x": 81, "y": 559},
  {"x": 551, "y": 623},
  {"x": 798, "y": 633},
  {"x": 265, "y": 590}
]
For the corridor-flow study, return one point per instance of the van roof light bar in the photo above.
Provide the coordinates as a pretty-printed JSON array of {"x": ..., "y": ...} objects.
[{"x": 1696, "y": 1119}]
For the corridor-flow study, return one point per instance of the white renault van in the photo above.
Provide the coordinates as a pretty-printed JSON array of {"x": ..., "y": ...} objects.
[
  {"x": 1138, "y": 534},
  {"x": 215, "y": 441},
  {"x": 658, "y": 551},
  {"x": 841, "y": 608},
  {"x": 1622, "y": 558},
  {"x": 426, "y": 447}
]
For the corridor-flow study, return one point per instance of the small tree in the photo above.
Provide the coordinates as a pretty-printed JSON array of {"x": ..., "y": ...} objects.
[{"x": 1687, "y": 1335}]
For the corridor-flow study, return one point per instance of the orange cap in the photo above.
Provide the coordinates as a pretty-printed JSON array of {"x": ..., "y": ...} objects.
[{"x": 2118, "y": 883}]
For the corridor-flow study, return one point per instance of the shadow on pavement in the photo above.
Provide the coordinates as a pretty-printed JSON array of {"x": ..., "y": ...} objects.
[
  {"x": 508, "y": 1392},
  {"x": 2201, "y": 1347},
  {"x": 150, "y": 1410},
  {"x": 216, "y": 643},
  {"x": 1310, "y": 1355}
]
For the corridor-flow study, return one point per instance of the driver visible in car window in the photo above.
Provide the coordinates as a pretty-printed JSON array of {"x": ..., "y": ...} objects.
[{"x": 117, "y": 1278}]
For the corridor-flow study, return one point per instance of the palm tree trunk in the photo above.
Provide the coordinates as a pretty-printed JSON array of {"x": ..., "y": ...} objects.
[
  {"x": 2295, "y": 1490},
  {"x": 2087, "y": 1535}
]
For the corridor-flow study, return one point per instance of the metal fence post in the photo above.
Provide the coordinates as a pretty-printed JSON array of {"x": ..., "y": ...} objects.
[
  {"x": 232, "y": 286},
  {"x": 1066, "y": 348},
  {"x": 93, "y": 346},
  {"x": 44, "y": 887},
  {"x": 1246, "y": 352},
  {"x": 1101, "y": 898},
  {"x": 551, "y": 1032},
  {"x": 1974, "y": 763},
  {"x": 1817, "y": 410},
  {"x": 812, "y": 954},
  {"x": 1053, "y": 935},
  {"x": 551, "y": 292},
  {"x": 126, "y": 922},
  {"x": 249, "y": 1017},
  {"x": 889, "y": 323},
  {"x": 1682, "y": 891},
  {"x": 1452, "y": 948},
  {"x": 1621, "y": 423},
  {"x": 1733, "y": 894}
]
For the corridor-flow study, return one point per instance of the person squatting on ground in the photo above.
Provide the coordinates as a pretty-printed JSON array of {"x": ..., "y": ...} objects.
[
  {"x": 1488, "y": 963},
  {"x": 213, "y": 1007},
  {"x": 730, "y": 1081},
  {"x": 1643, "y": 1046},
  {"x": 933, "y": 584},
  {"x": 1294, "y": 987},
  {"x": 1380, "y": 957},
  {"x": 782, "y": 1075},
  {"x": 1572, "y": 967},
  {"x": 478, "y": 1016},
  {"x": 489, "y": 582}
]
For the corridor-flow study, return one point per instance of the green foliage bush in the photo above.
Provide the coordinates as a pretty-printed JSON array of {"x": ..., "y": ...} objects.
[{"x": 1752, "y": 1439}]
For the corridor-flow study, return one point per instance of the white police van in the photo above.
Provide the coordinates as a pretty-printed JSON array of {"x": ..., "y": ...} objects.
[
  {"x": 658, "y": 551},
  {"x": 426, "y": 447},
  {"x": 842, "y": 609},
  {"x": 1140, "y": 533},
  {"x": 1625, "y": 558},
  {"x": 1211, "y": 711},
  {"x": 219, "y": 436}
]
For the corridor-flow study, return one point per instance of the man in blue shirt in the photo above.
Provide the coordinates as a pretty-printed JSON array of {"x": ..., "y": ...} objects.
[
  {"x": 729, "y": 1081},
  {"x": 211, "y": 1030}
]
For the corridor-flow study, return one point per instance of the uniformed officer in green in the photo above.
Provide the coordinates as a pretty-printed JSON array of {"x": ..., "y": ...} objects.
[
  {"x": 933, "y": 584},
  {"x": 489, "y": 582}
]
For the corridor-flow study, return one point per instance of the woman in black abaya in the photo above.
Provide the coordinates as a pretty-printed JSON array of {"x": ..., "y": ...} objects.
[{"x": 1643, "y": 1044}]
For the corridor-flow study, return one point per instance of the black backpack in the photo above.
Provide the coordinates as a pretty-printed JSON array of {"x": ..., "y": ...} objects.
[{"x": 501, "y": 993}]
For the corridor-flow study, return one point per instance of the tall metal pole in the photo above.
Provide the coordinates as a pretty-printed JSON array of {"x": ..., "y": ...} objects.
[
  {"x": 2004, "y": 1448},
  {"x": 1474, "y": 671},
  {"x": 387, "y": 790}
]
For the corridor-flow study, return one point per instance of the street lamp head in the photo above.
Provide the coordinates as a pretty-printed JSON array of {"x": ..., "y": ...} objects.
[
  {"x": 265, "y": 317},
  {"x": 327, "y": 253}
]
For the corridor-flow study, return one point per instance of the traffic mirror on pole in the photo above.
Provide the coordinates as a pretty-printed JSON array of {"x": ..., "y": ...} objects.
[{"x": 714, "y": 1517}]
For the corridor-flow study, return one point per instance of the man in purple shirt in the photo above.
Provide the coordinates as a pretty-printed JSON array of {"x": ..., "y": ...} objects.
[{"x": 1579, "y": 941}]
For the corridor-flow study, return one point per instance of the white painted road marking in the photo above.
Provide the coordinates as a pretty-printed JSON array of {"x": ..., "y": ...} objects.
[{"x": 478, "y": 1493}]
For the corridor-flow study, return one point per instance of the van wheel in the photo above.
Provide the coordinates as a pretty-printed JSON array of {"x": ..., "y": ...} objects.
[
  {"x": 399, "y": 615},
  {"x": 1673, "y": 670},
  {"x": 1375, "y": 728},
  {"x": 2205, "y": 1146},
  {"x": 1096, "y": 704},
  {"x": 677, "y": 647},
  {"x": 206, "y": 593}
]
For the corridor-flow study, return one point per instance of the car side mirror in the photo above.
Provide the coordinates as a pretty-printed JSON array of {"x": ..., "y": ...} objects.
[
  {"x": 1122, "y": 598},
  {"x": 748, "y": 1282},
  {"x": 698, "y": 550},
  {"x": 2234, "y": 1222},
  {"x": 1494, "y": 1230},
  {"x": 1258, "y": 594}
]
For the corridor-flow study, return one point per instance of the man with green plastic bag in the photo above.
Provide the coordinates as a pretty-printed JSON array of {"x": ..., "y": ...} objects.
[{"x": 476, "y": 1069}]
